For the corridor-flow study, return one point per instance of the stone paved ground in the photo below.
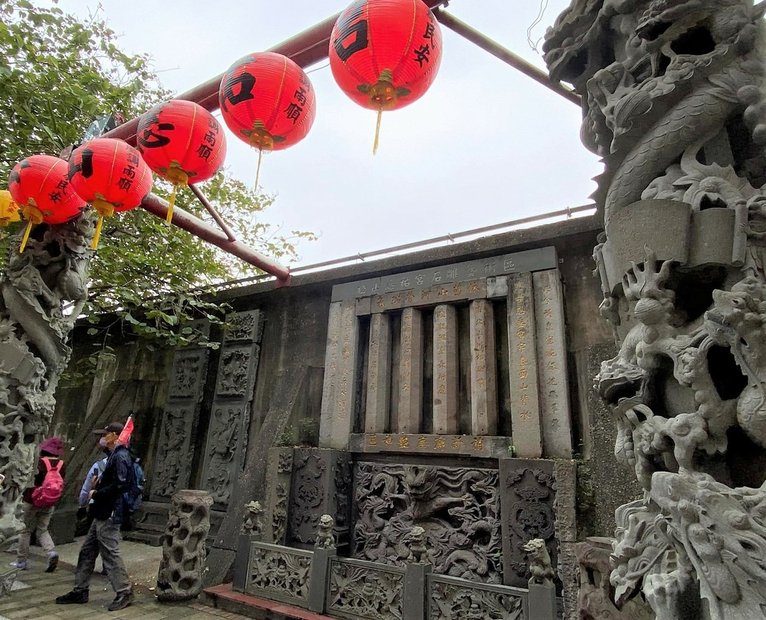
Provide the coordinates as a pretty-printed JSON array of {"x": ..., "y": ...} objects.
[{"x": 35, "y": 599}]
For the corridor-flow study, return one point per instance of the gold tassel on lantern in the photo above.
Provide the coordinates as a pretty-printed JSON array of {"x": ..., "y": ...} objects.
[
  {"x": 34, "y": 215},
  {"x": 104, "y": 209},
  {"x": 177, "y": 177}
]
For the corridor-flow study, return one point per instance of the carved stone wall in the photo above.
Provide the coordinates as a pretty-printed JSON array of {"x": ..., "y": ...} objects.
[
  {"x": 173, "y": 459},
  {"x": 231, "y": 407},
  {"x": 321, "y": 483},
  {"x": 457, "y": 507}
]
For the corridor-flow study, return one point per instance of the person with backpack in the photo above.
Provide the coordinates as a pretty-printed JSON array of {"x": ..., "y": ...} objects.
[
  {"x": 39, "y": 502},
  {"x": 104, "y": 532}
]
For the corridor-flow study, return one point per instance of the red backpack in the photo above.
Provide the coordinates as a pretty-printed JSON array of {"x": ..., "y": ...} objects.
[{"x": 50, "y": 491}]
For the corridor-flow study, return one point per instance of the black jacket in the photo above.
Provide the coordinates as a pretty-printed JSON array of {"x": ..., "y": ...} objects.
[{"x": 116, "y": 479}]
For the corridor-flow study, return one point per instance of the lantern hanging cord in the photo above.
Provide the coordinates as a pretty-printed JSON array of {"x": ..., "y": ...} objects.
[
  {"x": 377, "y": 132},
  {"x": 258, "y": 170}
]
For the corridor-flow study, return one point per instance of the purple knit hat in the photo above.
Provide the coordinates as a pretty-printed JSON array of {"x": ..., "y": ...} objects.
[{"x": 53, "y": 446}]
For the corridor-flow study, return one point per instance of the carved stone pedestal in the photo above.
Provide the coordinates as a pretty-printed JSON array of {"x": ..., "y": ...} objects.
[{"x": 183, "y": 547}]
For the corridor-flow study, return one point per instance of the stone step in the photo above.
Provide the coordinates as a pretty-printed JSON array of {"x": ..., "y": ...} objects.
[
  {"x": 224, "y": 597},
  {"x": 150, "y": 538}
]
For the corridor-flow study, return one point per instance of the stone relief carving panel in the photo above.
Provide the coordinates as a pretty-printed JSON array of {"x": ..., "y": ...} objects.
[
  {"x": 244, "y": 326},
  {"x": 234, "y": 373},
  {"x": 321, "y": 484},
  {"x": 187, "y": 375},
  {"x": 457, "y": 507},
  {"x": 359, "y": 592},
  {"x": 173, "y": 460},
  {"x": 278, "y": 493},
  {"x": 278, "y": 574},
  {"x": 450, "y": 601},
  {"x": 223, "y": 440},
  {"x": 528, "y": 494},
  {"x": 230, "y": 417}
]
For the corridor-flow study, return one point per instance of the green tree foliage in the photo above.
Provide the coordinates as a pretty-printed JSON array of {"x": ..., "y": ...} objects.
[{"x": 57, "y": 74}]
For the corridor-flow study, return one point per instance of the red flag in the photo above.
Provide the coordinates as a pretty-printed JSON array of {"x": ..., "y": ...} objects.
[{"x": 127, "y": 431}]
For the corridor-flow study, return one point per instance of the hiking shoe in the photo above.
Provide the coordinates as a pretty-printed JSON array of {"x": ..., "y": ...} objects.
[
  {"x": 53, "y": 562},
  {"x": 73, "y": 597},
  {"x": 121, "y": 601},
  {"x": 19, "y": 564}
]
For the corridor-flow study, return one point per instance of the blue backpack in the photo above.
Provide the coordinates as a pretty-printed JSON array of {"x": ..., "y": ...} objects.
[{"x": 133, "y": 497}]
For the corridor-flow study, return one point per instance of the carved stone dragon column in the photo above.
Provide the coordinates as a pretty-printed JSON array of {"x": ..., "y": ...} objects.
[
  {"x": 42, "y": 291},
  {"x": 674, "y": 100}
]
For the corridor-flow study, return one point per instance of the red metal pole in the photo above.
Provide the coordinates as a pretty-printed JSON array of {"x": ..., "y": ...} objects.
[
  {"x": 305, "y": 49},
  {"x": 159, "y": 207}
]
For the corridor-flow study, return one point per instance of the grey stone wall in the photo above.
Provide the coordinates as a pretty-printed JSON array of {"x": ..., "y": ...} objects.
[{"x": 287, "y": 391}]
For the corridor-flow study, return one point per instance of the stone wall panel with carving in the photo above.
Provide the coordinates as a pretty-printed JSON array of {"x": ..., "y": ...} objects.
[
  {"x": 236, "y": 372},
  {"x": 278, "y": 481},
  {"x": 175, "y": 445},
  {"x": 527, "y": 495},
  {"x": 173, "y": 460},
  {"x": 321, "y": 483},
  {"x": 457, "y": 507},
  {"x": 279, "y": 573},
  {"x": 244, "y": 326},
  {"x": 222, "y": 459},
  {"x": 450, "y": 599},
  {"x": 229, "y": 426},
  {"x": 362, "y": 590},
  {"x": 188, "y": 375}
]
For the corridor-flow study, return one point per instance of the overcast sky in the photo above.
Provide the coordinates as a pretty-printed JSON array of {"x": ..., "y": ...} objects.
[{"x": 484, "y": 145}]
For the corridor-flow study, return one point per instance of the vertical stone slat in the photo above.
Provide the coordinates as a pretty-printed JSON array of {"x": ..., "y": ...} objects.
[
  {"x": 445, "y": 359},
  {"x": 345, "y": 384},
  {"x": 525, "y": 403},
  {"x": 552, "y": 365},
  {"x": 483, "y": 368},
  {"x": 410, "y": 372},
  {"x": 332, "y": 355},
  {"x": 378, "y": 375}
]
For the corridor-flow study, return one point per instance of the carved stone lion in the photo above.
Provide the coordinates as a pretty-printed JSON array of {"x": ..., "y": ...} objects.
[
  {"x": 253, "y": 521},
  {"x": 539, "y": 562},
  {"x": 325, "y": 538}
]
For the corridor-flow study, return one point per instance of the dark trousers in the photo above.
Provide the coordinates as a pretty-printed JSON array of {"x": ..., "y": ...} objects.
[{"x": 104, "y": 537}]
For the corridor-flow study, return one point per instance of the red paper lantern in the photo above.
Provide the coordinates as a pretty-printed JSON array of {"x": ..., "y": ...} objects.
[
  {"x": 111, "y": 176},
  {"x": 40, "y": 186},
  {"x": 182, "y": 142},
  {"x": 384, "y": 54},
  {"x": 268, "y": 101}
]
